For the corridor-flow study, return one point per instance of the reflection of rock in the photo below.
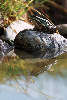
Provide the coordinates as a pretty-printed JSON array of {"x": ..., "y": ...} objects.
[
  {"x": 14, "y": 28},
  {"x": 32, "y": 62},
  {"x": 23, "y": 54},
  {"x": 40, "y": 43},
  {"x": 42, "y": 65}
]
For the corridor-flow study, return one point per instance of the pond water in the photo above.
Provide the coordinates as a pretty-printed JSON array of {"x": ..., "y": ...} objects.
[{"x": 28, "y": 78}]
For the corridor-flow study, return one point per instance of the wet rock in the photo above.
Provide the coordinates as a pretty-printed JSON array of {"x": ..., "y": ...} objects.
[
  {"x": 4, "y": 48},
  {"x": 40, "y": 43},
  {"x": 14, "y": 28},
  {"x": 62, "y": 29},
  {"x": 32, "y": 41}
]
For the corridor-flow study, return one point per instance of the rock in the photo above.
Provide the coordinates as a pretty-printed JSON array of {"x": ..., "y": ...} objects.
[
  {"x": 31, "y": 41},
  {"x": 4, "y": 48},
  {"x": 14, "y": 28},
  {"x": 40, "y": 43},
  {"x": 62, "y": 29}
]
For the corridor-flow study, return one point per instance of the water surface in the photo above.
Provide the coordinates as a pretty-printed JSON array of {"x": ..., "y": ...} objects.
[{"x": 23, "y": 77}]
